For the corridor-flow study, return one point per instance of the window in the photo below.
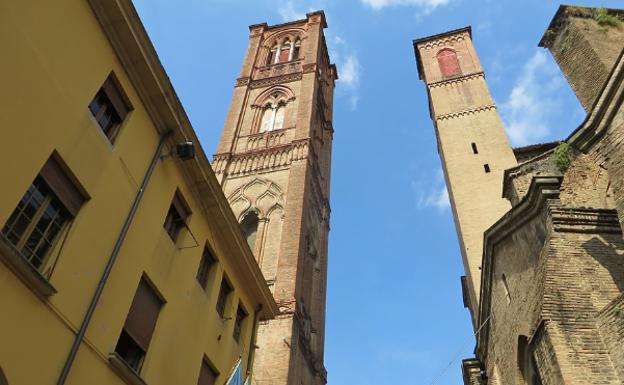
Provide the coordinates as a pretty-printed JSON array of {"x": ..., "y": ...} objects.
[
  {"x": 474, "y": 148},
  {"x": 249, "y": 225},
  {"x": 205, "y": 265},
  {"x": 296, "y": 49},
  {"x": 238, "y": 323},
  {"x": 176, "y": 216},
  {"x": 284, "y": 55},
  {"x": 207, "y": 375},
  {"x": 224, "y": 293},
  {"x": 486, "y": 167},
  {"x": 272, "y": 55},
  {"x": 273, "y": 118},
  {"x": 449, "y": 65},
  {"x": 48, "y": 205},
  {"x": 110, "y": 107},
  {"x": 139, "y": 327}
]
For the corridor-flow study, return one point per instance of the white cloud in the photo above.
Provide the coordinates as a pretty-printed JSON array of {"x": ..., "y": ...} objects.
[
  {"x": 534, "y": 102},
  {"x": 428, "y": 5},
  {"x": 431, "y": 192},
  {"x": 349, "y": 69},
  {"x": 288, "y": 12}
]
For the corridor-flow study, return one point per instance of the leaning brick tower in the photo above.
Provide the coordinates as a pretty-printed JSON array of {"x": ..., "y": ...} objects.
[
  {"x": 273, "y": 161},
  {"x": 472, "y": 143}
]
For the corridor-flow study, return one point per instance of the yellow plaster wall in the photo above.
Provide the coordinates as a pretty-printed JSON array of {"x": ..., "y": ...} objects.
[{"x": 55, "y": 58}]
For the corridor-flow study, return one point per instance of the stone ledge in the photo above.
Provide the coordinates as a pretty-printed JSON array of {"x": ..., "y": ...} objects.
[
  {"x": 27, "y": 273},
  {"x": 129, "y": 375}
]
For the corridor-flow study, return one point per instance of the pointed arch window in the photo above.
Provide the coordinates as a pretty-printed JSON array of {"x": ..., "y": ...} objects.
[
  {"x": 271, "y": 59},
  {"x": 273, "y": 117},
  {"x": 448, "y": 62},
  {"x": 249, "y": 225},
  {"x": 295, "y": 50},
  {"x": 284, "y": 55}
]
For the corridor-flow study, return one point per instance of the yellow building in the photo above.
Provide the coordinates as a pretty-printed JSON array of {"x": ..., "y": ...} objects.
[{"x": 122, "y": 262}]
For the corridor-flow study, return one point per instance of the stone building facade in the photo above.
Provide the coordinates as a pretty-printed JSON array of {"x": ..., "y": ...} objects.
[
  {"x": 273, "y": 162},
  {"x": 551, "y": 302}
]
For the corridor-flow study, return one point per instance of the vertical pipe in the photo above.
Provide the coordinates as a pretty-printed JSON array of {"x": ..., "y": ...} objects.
[
  {"x": 252, "y": 342},
  {"x": 111, "y": 261}
]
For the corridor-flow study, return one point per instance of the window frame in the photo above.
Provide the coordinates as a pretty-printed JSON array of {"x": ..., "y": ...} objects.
[
  {"x": 56, "y": 188},
  {"x": 110, "y": 100},
  {"x": 207, "y": 263},
  {"x": 135, "y": 316},
  {"x": 180, "y": 209},
  {"x": 225, "y": 291},
  {"x": 239, "y": 319}
]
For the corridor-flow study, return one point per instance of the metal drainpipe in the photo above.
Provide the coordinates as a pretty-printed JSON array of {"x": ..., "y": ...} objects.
[
  {"x": 252, "y": 342},
  {"x": 111, "y": 261}
]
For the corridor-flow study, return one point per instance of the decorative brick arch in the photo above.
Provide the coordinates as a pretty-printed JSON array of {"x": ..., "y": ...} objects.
[
  {"x": 292, "y": 35},
  {"x": 274, "y": 97},
  {"x": 266, "y": 199}
]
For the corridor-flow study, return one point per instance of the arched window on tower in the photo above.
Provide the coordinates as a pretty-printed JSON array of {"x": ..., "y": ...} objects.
[
  {"x": 449, "y": 65},
  {"x": 295, "y": 50},
  {"x": 266, "y": 124},
  {"x": 279, "y": 117},
  {"x": 272, "y": 117},
  {"x": 249, "y": 225},
  {"x": 272, "y": 55},
  {"x": 526, "y": 363},
  {"x": 284, "y": 55}
]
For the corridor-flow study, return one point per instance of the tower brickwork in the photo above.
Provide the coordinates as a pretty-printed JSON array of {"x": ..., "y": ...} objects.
[
  {"x": 273, "y": 161},
  {"x": 472, "y": 143},
  {"x": 586, "y": 46}
]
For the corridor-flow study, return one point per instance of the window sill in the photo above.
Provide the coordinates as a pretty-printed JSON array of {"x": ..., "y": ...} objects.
[
  {"x": 29, "y": 275},
  {"x": 125, "y": 372}
]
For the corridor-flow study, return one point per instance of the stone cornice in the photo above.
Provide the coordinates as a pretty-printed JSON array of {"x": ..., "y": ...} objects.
[
  {"x": 276, "y": 80},
  {"x": 584, "y": 220},
  {"x": 457, "y": 79},
  {"x": 265, "y": 159},
  {"x": 470, "y": 111}
]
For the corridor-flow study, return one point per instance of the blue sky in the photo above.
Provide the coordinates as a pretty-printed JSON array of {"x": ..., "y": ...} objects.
[{"x": 394, "y": 309}]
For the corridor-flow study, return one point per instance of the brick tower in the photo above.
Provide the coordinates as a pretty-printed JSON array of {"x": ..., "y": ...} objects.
[
  {"x": 472, "y": 143},
  {"x": 274, "y": 165}
]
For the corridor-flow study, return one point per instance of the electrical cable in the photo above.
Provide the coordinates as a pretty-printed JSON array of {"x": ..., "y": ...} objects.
[{"x": 461, "y": 349}]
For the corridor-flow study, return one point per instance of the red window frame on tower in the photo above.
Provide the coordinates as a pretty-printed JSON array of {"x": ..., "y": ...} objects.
[{"x": 448, "y": 62}]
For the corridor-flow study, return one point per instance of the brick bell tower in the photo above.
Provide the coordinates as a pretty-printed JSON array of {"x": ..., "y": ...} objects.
[
  {"x": 273, "y": 162},
  {"x": 472, "y": 143}
]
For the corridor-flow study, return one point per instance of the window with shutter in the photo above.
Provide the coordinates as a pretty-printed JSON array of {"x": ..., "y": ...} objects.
[
  {"x": 224, "y": 293},
  {"x": 207, "y": 375},
  {"x": 205, "y": 265},
  {"x": 139, "y": 326},
  {"x": 110, "y": 106},
  {"x": 176, "y": 216},
  {"x": 49, "y": 204}
]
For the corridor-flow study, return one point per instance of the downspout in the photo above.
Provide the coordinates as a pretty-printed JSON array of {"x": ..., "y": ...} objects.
[
  {"x": 111, "y": 261},
  {"x": 252, "y": 342}
]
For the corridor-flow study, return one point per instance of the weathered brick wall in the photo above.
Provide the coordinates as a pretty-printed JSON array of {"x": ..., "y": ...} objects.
[
  {"x": 521, "y": 258},
  {"x": 544, "y": 353},
  {"x": 584, "y": 273},
  {"x": 520, "y": 177},
  {"x": 585, "y": 51},
  {"x": 611, "y": 325}
]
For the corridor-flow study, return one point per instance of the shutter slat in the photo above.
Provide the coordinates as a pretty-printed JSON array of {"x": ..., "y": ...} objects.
[
  {"x": 143, "y": 315},
  {"x": 64, "y": 189}
]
